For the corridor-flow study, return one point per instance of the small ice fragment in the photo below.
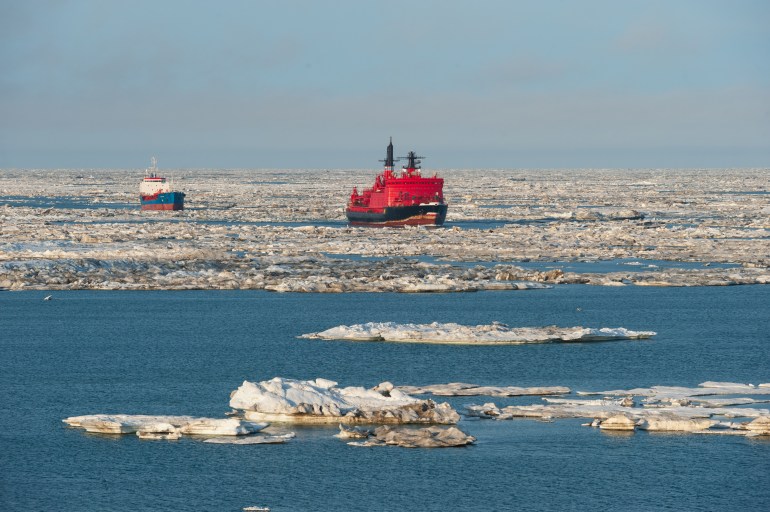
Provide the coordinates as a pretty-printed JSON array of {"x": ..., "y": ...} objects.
[
  {"x": 430, "y": 437},
  {"x": 618, "y": 422},
  {"x": 253, "y": 439}
]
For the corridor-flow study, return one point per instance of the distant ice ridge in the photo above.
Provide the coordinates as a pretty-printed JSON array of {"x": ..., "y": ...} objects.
[
  {"x": 490, "y": 334},
  {"x": 321, "y": 401}
]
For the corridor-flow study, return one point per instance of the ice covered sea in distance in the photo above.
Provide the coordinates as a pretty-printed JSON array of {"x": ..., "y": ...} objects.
[
  {"x": 121, "y": 335},
  {"x": 285, "y": 231}
]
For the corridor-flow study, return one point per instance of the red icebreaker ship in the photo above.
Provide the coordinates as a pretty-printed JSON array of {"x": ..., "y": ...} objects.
[{"x": 399, "y": 199}]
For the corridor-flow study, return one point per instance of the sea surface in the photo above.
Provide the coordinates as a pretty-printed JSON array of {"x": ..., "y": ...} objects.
[{"x": 182, "y": 353}]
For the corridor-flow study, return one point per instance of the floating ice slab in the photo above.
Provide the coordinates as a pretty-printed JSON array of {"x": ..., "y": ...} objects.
[
  {"x": 676, "y": 424},
  {"x": 354, "y": 432},
  {"x": 321, "y": 401},
  {"x": 123, "y": 423},
  {"x": 491, "y": 334},
  {"x": 618, "y": 422},
  {"x": 430, "y": 437},
  {"x": 222, "y": 427},
  {"x": 663, "y": 409},
  {"x": 462, "y": 389},
  {"x": 673, "y": 393},
  {"x": 255, "y": 439},
  {"x": 157, "y": 426}
]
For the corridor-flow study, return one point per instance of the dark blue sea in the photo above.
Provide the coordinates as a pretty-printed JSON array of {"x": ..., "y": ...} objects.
[{"x": 167, "y": 352}]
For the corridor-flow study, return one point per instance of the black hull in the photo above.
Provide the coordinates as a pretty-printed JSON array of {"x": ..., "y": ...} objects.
[{"x": 426, "y": 214}]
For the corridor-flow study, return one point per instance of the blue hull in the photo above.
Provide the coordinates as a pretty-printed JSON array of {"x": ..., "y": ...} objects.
[{"x": 163, "y": 201}]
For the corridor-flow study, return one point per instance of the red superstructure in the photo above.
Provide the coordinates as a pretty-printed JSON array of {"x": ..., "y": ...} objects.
[{"x": 399, "y": 198}]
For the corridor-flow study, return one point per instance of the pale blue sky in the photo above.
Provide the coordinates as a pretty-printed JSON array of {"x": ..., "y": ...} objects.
[{"x": 502, "y": 84}]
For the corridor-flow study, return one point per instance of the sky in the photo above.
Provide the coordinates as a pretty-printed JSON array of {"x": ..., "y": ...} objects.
[{"x": 309, "y": 84}]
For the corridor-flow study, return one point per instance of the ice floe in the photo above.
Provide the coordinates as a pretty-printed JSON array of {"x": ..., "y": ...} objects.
[
  {"x": 618, "y": 422},
  {"x": 463, "y": 389},
  {"x": 321, "y": 401},
  {"x": 430, "y": 437},
  {"x": 160, "y": 426},
  {"x": 659, "y": 409},
  {"x": 675, "y": 424},
  {"x": 258, "y": 439},
  {"x": 347, "y": 432},
  {"x": 491, "y": 334}
]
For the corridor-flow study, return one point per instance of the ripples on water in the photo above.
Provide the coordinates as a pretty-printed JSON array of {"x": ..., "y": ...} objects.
[{"x": 183, "y": 352}]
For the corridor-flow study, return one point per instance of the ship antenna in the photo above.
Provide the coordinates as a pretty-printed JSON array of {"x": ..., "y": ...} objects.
[
  {"x": 389, "y": 156},
  {"x": 413, "y": 161}
]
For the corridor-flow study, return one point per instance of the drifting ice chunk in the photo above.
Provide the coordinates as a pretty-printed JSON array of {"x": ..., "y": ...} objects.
[
  {"x": 488, "y": 410},
  {"x": 668, "y": 393},
  {"x": 759, "y": 426},
  {"x": 731, "y": 387},
  {"x": 320, "y": 401},
  {"x": 256, "y": 439},
  {"x": 431, "y": 437},
  {"x": 492, "y": 334},
  {"x": 353, "y": 432},
  {"x": 153, "y": 427},
  {"x": 123, "y": 423},
  {"x": 619, "y": 422},
  {"x": 462, "y": 389},
  {"x": 676, "y": 424},
  {"x": 222, "y": 427}
]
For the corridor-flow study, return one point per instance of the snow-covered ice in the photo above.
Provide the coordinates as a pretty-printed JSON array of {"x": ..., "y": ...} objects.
[
  {"x": 618, "y": 422},
  {"x": 158, "y": 426},
  {"x": 321, "y": 401},
  {"x": 256, "y": 439},
  {"x": 463, "y": 389},
  {"x": 676, "y": 424},
  {"x": 491, "y": 334},
  {"x": 353, "y": 432},
  {"x": 660, "y": 409}
]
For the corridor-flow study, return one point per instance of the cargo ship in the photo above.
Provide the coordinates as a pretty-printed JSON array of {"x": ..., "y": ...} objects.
[
  {"x": 155, "y": 192},
  {"x": 402, "y": 198}
]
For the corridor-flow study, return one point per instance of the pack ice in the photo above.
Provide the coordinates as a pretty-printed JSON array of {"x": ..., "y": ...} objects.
[{"x": 240, "y": 233}]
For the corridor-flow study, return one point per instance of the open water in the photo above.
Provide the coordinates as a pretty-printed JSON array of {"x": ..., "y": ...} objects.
[{"x": 169, "y": 352}]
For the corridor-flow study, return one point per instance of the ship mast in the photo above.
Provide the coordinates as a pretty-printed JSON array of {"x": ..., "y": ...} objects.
[
  {"x": 153, "y": 170},
  {"x": 389, "y": 160},
  {"x": 413, "y": 163}
]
